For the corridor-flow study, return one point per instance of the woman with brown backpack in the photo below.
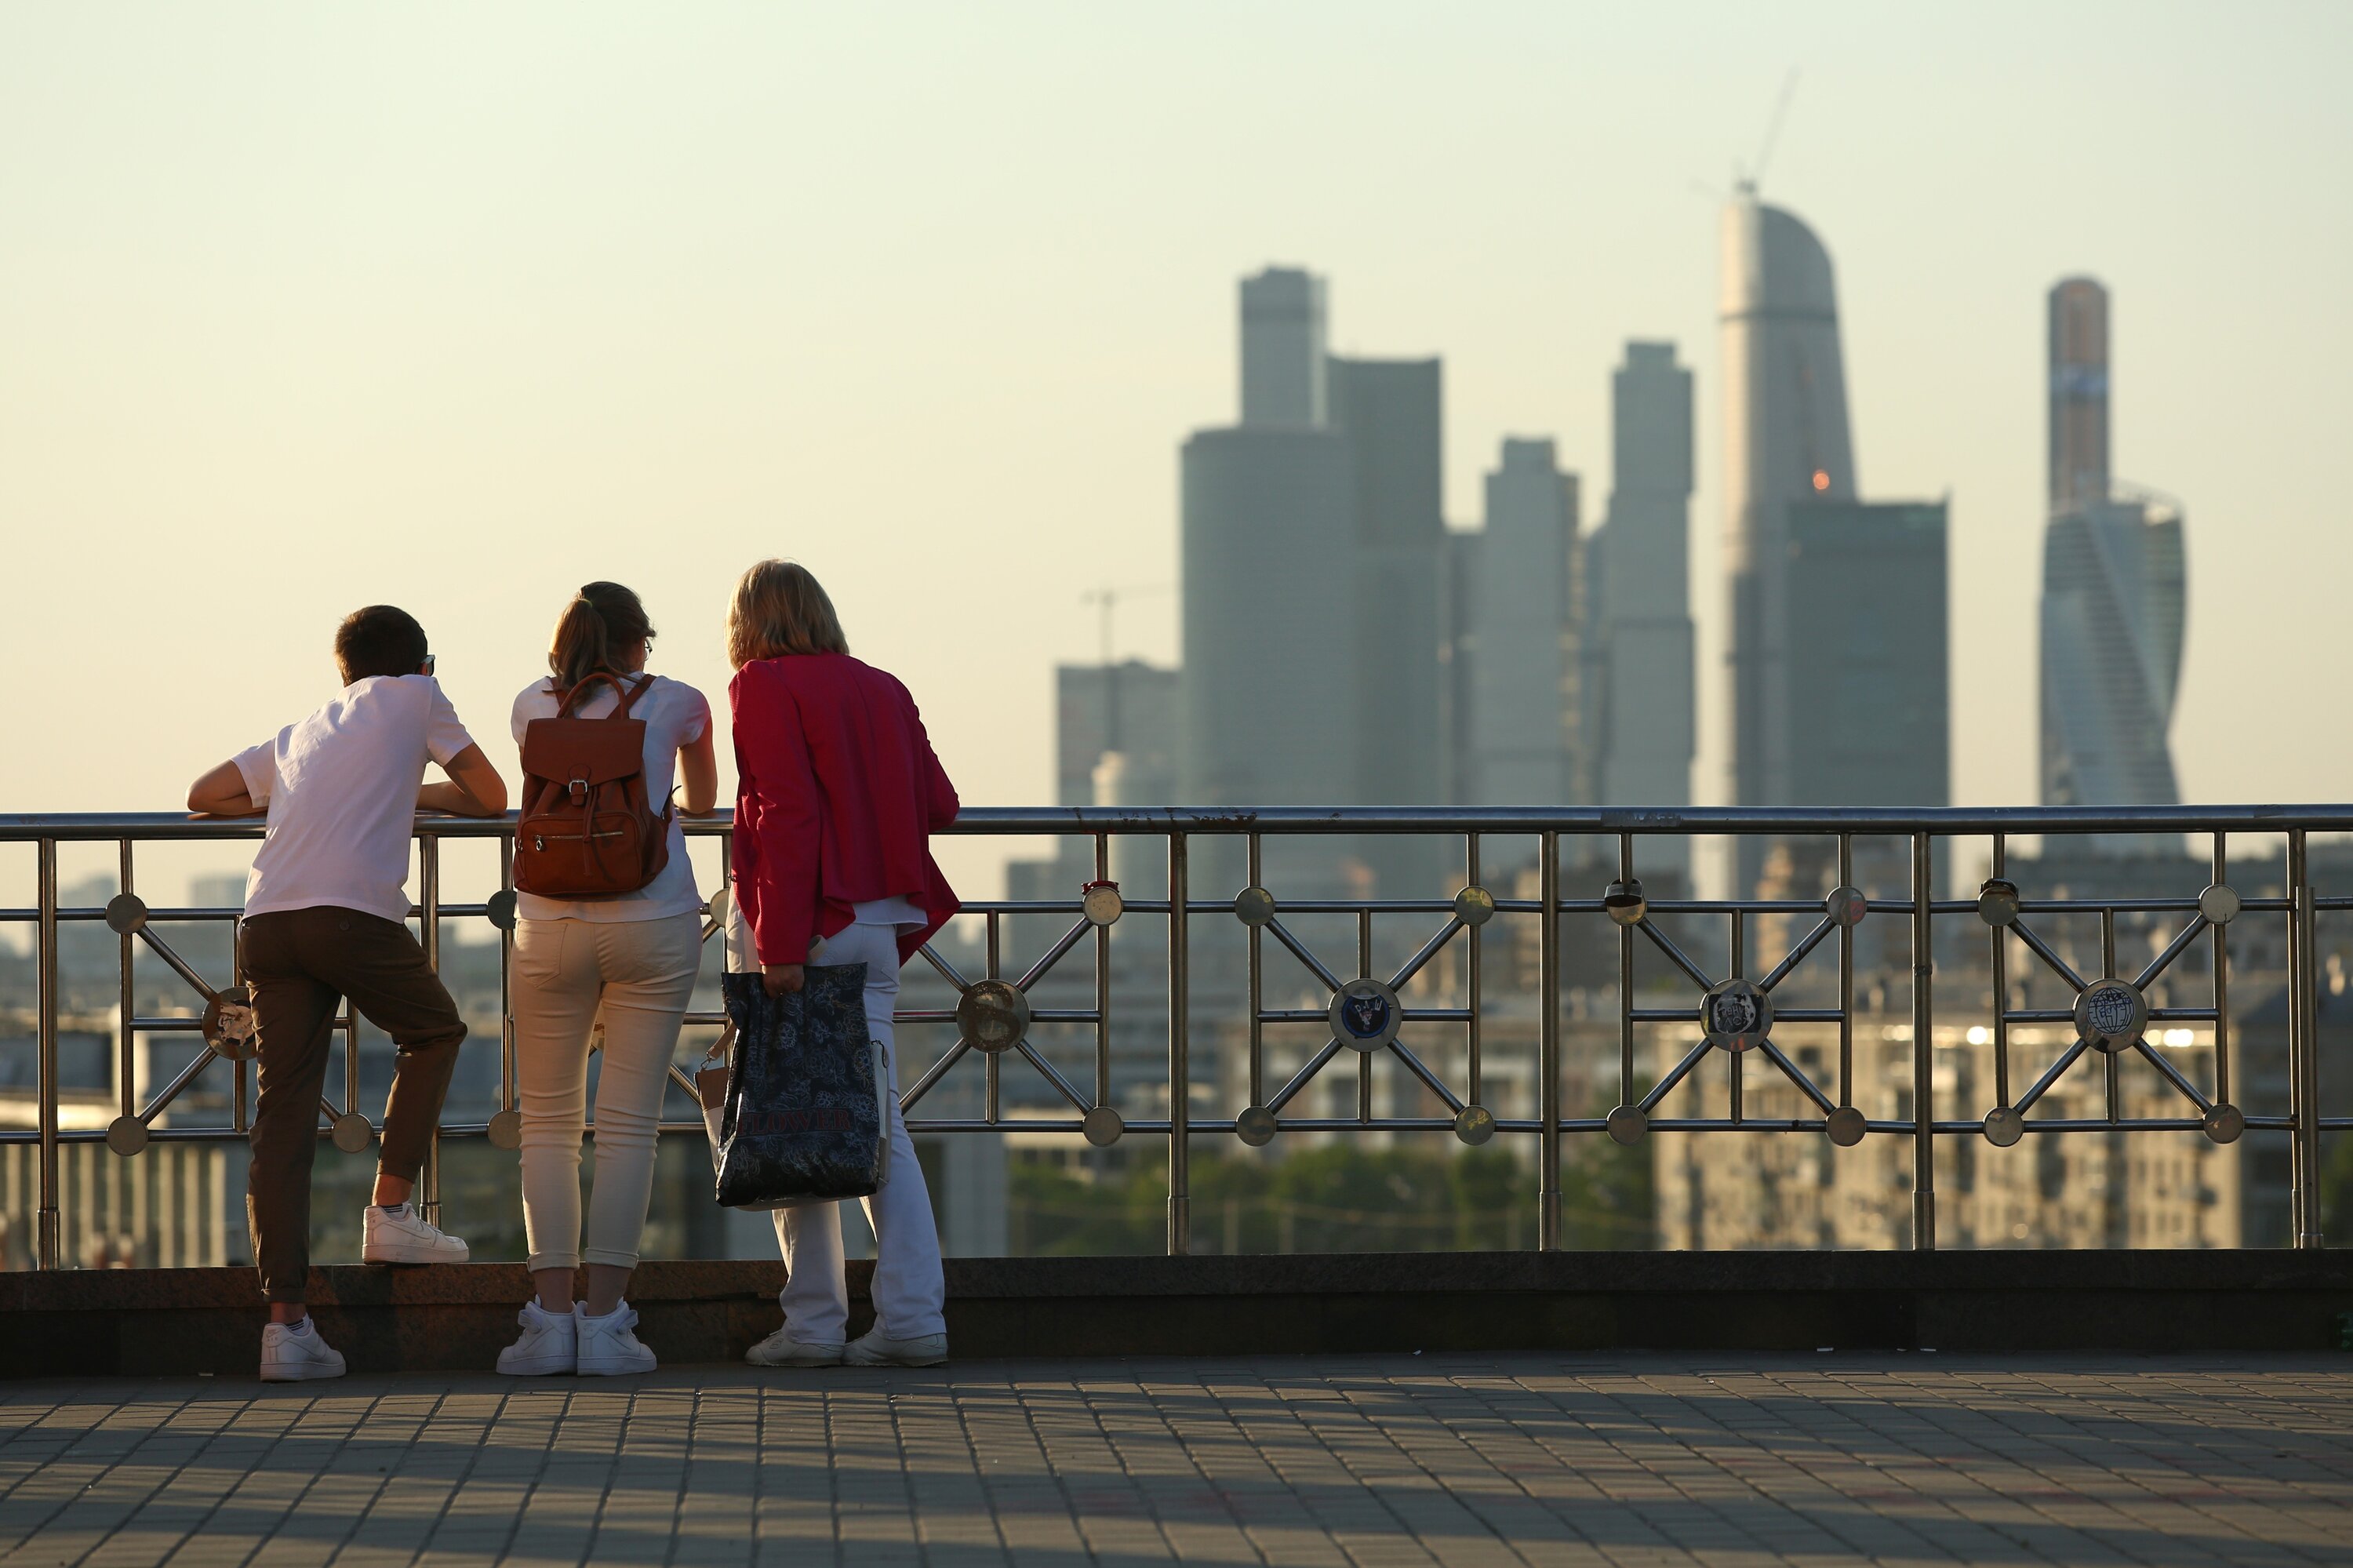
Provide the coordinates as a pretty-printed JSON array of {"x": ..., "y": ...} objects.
[{"x": 609, "y": 921}]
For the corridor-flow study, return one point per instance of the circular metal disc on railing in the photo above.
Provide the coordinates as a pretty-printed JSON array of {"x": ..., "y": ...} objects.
[
  {"x": 352, "y": 1133},
  {"x": 1254, "y": 906},
  {"x": 1104, "y": 1126},
  {"x": 505, "y": 1130},
  {"x": 1365, "y": 1014},
  {"x": 2224, "y": 1123},
  {"x": 1255, "y": 1126},
  {"x": 1846, "y": 906},
  {"x": 2004, "y": 1126},
  {"x": 1474, "y": 1125},
  {"x": 2111, "y": 1015},
  {"x": 1627, "y": 1126},
  {"x": 125, "y": 913},
  {"x": 1474, "y": 906},
  {"x": 126, "y": 1135},
  {"x": 1625, "y": 903},
  {"x": 1998, "y": 901},
  {"x": 1846, "y": 1126},
  {"x": 229, "y": 1024},
  {"x": 993, "y": 1015},
  {"x": 2219, "y": 904},
  {"x": 1101, "y": 903},
  {"x": 500, "y": 909},
  {"x": 1735, "y": 1016}
]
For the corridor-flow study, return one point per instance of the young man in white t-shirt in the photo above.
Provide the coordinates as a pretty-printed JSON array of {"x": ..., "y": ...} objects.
[{"x": 326, "y": 913}]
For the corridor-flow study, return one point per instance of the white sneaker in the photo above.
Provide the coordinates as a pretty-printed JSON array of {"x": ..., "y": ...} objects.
[
  {"x": 550, "y": 1343},
  {"x": 874, "y": 1348},
  {"x": 292, "y": 1355},
  {"x": 781, "y": 1349},
  {"x": 607, "y": 1349},
  {"x": 399, "y": 1235}
]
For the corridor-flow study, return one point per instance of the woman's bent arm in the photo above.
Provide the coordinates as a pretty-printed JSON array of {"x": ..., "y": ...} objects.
[
  {"x": 940, "y": 795},
  {"x": 697, "y": 765}
]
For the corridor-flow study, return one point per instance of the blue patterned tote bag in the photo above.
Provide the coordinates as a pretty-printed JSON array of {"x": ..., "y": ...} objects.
[{"x": 802, "y": 1121}]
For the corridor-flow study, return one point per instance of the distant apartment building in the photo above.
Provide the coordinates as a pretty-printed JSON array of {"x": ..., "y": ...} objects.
[{"x": 2081, "y": 1189}]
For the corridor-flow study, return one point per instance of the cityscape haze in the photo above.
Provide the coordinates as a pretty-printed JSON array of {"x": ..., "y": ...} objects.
[
  {"x": 301, "y": 310},
  {"x": 1310, "y": 408}
]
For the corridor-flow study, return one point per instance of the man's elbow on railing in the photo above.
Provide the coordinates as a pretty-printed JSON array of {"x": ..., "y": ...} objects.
[
  {"x": 474, "y": 789},
  {"x": 221, "y": 792}
]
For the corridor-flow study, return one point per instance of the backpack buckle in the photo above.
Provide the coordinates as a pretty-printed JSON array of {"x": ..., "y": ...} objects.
[{"x": 580, "y": 791}]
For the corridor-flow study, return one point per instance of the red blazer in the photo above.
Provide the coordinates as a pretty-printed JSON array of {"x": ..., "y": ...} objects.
[{"x": 837, "y": 792}]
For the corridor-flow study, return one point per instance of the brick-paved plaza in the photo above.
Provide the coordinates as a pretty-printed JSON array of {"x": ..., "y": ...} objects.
[{"x": 1473, "y": 1460}]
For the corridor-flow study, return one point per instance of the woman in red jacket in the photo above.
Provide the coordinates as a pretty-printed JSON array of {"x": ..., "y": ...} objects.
[{"x": 838, "y": 793}]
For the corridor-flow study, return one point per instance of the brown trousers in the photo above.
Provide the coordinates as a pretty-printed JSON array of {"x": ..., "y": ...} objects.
[{"x": 300, "y": 964}]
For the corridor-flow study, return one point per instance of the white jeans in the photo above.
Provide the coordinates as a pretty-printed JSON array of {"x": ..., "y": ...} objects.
[{"x": 910, "y": 1297}]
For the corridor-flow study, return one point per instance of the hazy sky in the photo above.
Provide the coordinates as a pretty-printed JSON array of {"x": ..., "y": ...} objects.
[{"x": 303, "y": 307}]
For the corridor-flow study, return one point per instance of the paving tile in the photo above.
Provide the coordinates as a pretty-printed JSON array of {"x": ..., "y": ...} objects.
[{"x": 1633, "y": 1461}]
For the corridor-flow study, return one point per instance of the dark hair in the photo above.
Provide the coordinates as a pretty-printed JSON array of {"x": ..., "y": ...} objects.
[
  {"x": 600, "y": 618},
  {"x": 379, "y": 641}
]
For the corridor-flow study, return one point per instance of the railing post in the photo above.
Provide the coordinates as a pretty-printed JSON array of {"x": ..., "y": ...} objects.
[
  {"x": 428, "y": 884},
  {"x": 46, "y": 1238},
  {"x": 1548, "y": 1049},
  {"x": 1924, "y": 1050},
  {"x": 1180, "y": 1085},
  {"x": 2303, "y": 1069}
]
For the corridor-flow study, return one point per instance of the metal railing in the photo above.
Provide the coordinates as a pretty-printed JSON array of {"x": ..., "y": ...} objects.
[{"x": 1731, "y": 1013}]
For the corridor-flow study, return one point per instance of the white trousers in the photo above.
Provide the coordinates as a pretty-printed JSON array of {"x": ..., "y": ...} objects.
[
  {"x": 642, "y": 974},
  {"x": 910, "y": 1297}
]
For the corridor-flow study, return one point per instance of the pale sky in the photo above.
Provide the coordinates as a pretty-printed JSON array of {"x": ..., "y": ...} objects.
[{"x": 303, "y": 307}]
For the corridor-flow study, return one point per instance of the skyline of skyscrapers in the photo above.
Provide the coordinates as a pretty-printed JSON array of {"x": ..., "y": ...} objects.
[{"x": 1343, "y": 644}]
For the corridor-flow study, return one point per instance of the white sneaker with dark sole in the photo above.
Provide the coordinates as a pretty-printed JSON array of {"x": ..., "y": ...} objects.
[
  {"x": 781, "y": 1349},
  {"x": 607, "y": 1347},
  {"x": 874, "y": 1348},
  {"x": 290, "y": 1355},
  {"x": 550, "y": 1346},
  {"x": 402, "y": 1235}
]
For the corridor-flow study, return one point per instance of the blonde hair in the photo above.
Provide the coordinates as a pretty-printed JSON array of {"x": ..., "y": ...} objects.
[{"x": 780, "y": 609}]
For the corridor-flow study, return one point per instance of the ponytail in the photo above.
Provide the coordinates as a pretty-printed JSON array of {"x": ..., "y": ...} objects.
[{"x": 601, "y": 618}]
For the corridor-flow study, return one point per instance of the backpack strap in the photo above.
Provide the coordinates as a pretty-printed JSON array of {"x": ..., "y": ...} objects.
[{"x": 580, "y": 694}]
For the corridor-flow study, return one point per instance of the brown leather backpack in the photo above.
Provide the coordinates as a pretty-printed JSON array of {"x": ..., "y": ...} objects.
[{"x": 586, "y": 830}]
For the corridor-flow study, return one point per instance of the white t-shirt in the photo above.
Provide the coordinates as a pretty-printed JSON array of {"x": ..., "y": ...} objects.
[
  {"x": 342, "y": 786},
  {"x": 676, "y": 715}
]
